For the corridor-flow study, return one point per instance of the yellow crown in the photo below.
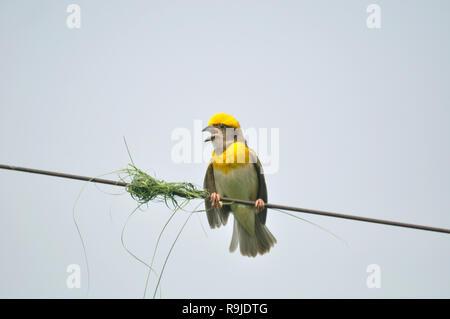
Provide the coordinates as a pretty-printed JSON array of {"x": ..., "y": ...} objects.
[{"x": 222, "y": 118}]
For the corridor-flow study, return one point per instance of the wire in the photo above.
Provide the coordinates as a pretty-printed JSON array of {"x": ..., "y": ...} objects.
[{"x": 239, "y": 201}]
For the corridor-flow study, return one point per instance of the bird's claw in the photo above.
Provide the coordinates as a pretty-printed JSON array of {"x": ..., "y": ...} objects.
[
  {"x": 259, "y": 204},
  {"x": 215, "y": 200}
]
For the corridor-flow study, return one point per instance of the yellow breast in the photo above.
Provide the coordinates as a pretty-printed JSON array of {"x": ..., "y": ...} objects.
[{"x": 236, "y": 155}]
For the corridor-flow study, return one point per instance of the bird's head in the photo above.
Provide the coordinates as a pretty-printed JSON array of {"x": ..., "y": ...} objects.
[{"x": 224, "y": 130}]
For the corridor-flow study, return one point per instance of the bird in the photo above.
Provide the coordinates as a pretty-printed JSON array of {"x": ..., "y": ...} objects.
[{"x": 235, "y": 171}]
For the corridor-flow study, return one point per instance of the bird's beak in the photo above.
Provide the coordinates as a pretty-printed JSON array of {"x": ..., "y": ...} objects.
[{"x": 209, "y": 129}]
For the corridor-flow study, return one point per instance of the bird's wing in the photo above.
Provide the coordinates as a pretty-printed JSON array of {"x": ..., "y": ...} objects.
[
  {"x": 216, "y": 216},
  {"x": 262, "y": 190}
]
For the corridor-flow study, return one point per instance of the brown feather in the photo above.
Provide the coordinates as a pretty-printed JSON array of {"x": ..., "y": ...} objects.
[{"x": 216, "y": 216}]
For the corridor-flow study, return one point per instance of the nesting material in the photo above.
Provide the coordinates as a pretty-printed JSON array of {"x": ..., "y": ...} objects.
[{"x": 144, "y": 188}]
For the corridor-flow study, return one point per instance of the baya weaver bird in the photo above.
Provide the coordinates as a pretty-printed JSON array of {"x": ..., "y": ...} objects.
[{"x": 236, "y": 172}]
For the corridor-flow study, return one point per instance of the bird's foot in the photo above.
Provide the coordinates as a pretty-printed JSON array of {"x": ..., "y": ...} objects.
[
  {"x": 259, "y": 204},
  {"x": 215, "y": 200}
]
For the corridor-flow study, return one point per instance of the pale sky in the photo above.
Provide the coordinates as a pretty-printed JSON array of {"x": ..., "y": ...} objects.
[{"x": 363, "y": 118}]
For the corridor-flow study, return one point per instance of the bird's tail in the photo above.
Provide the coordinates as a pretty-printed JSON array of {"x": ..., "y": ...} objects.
[{"x": 250, "y": 245}]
